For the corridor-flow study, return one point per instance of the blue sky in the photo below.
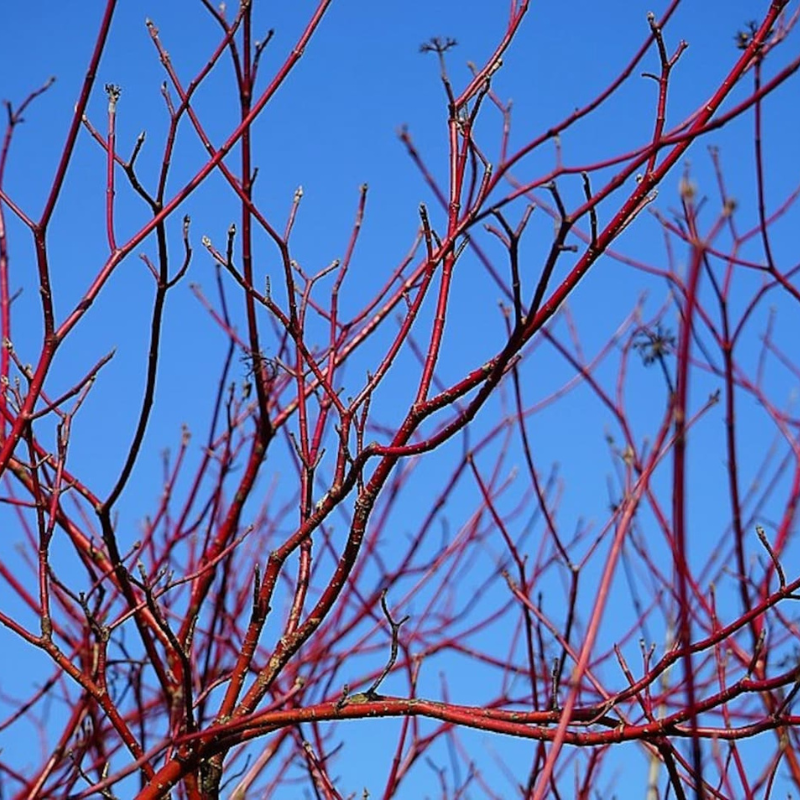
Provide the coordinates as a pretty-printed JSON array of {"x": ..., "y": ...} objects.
[{"x": 332, "y": 127}]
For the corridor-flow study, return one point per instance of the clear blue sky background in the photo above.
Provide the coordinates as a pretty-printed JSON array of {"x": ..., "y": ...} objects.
[{"x": 331, "y": 128}]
